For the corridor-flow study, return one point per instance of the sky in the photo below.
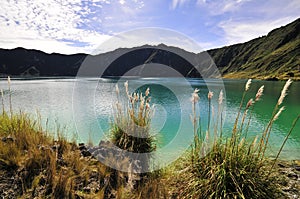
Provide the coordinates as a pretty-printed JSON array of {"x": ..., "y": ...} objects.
[{"x": 81, "y": 26}]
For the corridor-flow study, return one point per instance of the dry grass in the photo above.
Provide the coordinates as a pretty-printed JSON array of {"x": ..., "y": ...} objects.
[
  {"x": 131, "y": 127},
  {"x": 47, "y": 167},
  {"x": 232, "y": 167},
  {"x": 130, "y": 132}
]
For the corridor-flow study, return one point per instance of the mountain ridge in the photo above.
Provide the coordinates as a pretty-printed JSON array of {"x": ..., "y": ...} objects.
[{"x": 273, "y": 56}]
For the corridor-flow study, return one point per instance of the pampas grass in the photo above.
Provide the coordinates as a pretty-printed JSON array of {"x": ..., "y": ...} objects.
[
  {"x": 132, "y": 117},
  {"x": 9, "y": 90},
  {"x": 284, "y": 91},
  {"x": 247, "y": 86},
  {"x": 234, "y": 167},
  {"x": 275, "y": 114}
]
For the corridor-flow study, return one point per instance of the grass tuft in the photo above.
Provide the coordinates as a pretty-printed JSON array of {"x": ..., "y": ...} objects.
[{"x": 234, "y": 166}]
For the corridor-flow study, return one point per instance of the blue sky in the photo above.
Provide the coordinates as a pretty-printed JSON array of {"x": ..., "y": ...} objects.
[{"x": 80, "y": 26}]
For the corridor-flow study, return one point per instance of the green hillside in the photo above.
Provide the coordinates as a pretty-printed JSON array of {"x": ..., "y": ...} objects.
[{"x": 274, "y": 56}]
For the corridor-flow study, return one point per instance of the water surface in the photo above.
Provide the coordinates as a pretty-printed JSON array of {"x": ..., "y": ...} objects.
[{"x": 88, "y": 117}]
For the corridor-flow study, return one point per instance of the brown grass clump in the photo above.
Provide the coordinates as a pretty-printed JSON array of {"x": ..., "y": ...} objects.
[
  {"x": 232, "y": 167},
  {"x": 131, "y": 127},
  {"x": 44, "y": 167}
]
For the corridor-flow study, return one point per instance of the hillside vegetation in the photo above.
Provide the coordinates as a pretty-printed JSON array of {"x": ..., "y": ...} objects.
[{"x": 275, "y": 55}]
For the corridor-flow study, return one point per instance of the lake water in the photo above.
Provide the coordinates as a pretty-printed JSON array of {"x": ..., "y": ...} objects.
[{"x": 83, "y": 107}]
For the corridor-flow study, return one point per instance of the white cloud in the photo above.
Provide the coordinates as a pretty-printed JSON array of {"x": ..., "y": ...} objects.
[
  {"x": 219, "y": 7},
  {"x": 132, "y": 14},
  {"x": 178, "y": 3},
  {"x": 69, "y": 26},
  {"x": 237, "y": 21},
  {"x": 242, "y": 31},
  {"x": 50, "y": 26}
]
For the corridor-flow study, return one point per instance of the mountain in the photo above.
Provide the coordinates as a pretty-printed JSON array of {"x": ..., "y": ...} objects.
[
  {"x": 23, "y": 62},
  {"x": 143, "y": 61},
  {"x": 274, "y": 56}
]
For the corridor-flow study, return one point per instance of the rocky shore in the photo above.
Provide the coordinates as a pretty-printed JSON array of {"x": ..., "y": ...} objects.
[
  {"x": 11, "y": 179},
  {"x": 290, "y": 171}
]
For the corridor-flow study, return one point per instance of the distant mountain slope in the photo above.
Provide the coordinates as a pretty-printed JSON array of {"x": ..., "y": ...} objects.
[
  {"x": 274, "y": 56},
  {"x": 23, "y": 62},
  {"x": 33, "y": 63}
]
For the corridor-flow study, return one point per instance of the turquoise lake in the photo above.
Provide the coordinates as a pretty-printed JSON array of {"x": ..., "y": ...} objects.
[{"x": 82, "y": 108}]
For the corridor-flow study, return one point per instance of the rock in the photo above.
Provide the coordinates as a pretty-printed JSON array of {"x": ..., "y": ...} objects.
[
  {"x": 297, "y": 168},
  {"x": 94, "y": 175},
  {"x": 8, "y": 139},
  {"x": 92, "y": 187},
  {"x": 87, "y": 189},
  {"x": 54, "y": 147},
  {"x": 85, "y": 153},
  {"x": 42, "y": 180},
  {"x": 78, "y": 197},
  {"x": 281, "y": 165},
  {"x": 3, "y": 139},
  {"x": 291, "y": 74},
  {"x": 272, "y": 79},
  {"x": 81, "y": 146},
  {"x": 292, "y": 175},
  {"x": 83, "y": 150},
  {"x": 10, "y": 185}
]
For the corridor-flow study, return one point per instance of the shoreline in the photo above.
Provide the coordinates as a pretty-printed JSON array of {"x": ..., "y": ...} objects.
[{"x": 226, "y": 77}]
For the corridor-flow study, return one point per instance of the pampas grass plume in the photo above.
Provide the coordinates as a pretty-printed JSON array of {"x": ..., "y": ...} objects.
[
  {"x": 284, "y": 92},
  {"x": 248, "y": 84}
]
